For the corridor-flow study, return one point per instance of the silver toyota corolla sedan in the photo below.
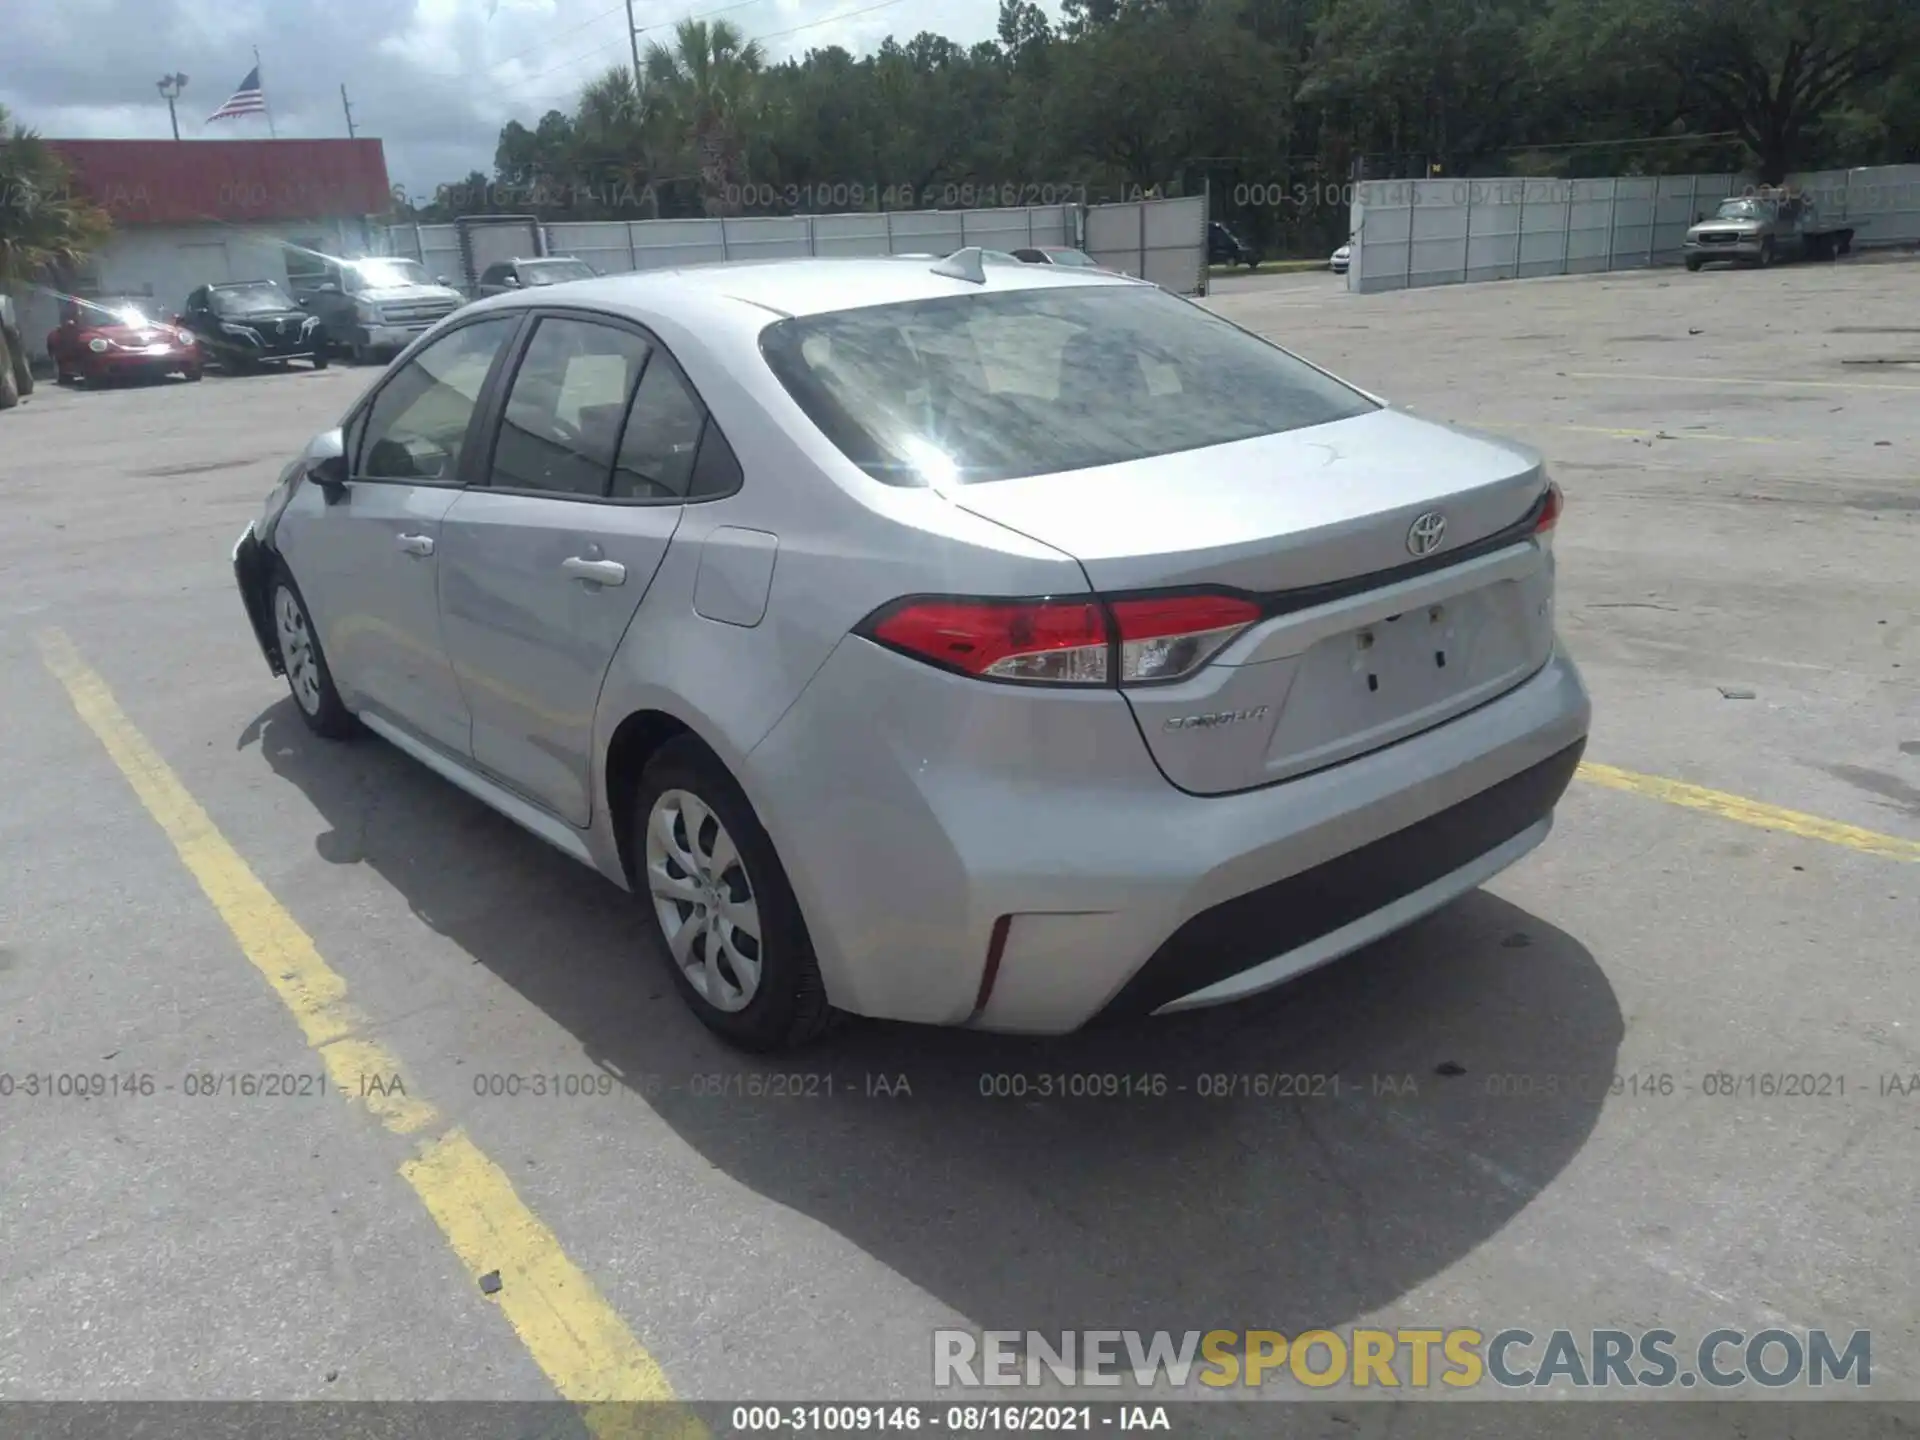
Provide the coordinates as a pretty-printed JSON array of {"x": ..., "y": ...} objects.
[{"x": 1004, "y": 646}]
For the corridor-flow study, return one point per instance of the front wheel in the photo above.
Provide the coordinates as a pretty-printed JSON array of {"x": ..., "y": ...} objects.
[
  {"x": 308, "y": 678},
  {"x": 736, "y": 945},
  {"x": 319, "y": 359},
  {"x": 1766, "y": 254},
  {"x": 1694, "y": 262},
  {"x": 194, "y": 374}
]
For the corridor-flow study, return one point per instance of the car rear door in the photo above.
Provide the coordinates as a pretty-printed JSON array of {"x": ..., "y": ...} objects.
[
  {"x": 367, "y": 560},
  {"x": 544, "y": 566}
]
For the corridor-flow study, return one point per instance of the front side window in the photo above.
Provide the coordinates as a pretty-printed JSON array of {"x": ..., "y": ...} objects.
[
  {"x": 563, "y": 415},
  {"x": 417, "y": 426},
  {"x": 974, "y": 388}
]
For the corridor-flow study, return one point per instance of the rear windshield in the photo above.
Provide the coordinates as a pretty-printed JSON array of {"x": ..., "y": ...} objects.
[{"x": 973, "y": 388}]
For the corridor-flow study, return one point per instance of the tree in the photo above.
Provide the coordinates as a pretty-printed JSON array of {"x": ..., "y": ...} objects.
[
  {"x": 708, "y": 83},
  {"x": 1773, "y": 71},
  {"x": 46, "y": 229}
]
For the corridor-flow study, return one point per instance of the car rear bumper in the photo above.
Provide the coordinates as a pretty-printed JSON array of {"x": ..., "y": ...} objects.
[{"x": 925, "y": 819}]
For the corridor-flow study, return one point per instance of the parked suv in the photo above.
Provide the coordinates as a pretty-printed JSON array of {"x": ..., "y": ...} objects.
[
  {"x": 381, "y": 303},
  {"x": 253, "y": 322},
  {"x": 525, "y": 274},
  {"x": 1226, "y": 248}
]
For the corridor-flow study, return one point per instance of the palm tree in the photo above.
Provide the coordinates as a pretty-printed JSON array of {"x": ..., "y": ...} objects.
[
  {"x": 44, "y": 231},
  {"x": 618, "y": 131},
  {"x": 708, "y": 84},
  {"x": 45, "y": 228}
]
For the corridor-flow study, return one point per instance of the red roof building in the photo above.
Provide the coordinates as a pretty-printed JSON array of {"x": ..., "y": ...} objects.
[{"x": 232, "y": 182}]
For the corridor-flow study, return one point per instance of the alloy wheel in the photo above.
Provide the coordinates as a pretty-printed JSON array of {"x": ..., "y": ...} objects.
[
  {"x": 704, "y": 900},
  {"x": 296, "y": 650}
]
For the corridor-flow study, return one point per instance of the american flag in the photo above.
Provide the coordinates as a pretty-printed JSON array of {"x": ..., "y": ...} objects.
[{"x": 249, "y": 99}]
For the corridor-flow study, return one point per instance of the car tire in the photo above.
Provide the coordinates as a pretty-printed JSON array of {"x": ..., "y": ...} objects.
[
  {"x": 1766, "y": 254},
  {"x": 320, "y": 361},
  {"x": 22, "y": 372},
  {"x": 9, "y": 386},
  {"x": 309, "y": 680},
  {"x": 193, "y": 375},
  {"x": 362, "y": 354},
  {"x": 687, "y": 813},
  {"x": 1694, "y": 262}
]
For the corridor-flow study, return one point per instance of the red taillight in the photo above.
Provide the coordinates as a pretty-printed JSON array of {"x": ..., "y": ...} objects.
[
  {"x": 1166, "y": 637},
  {"x": 1067, "y": 642},
  {"x": 1060, "y": 642},
  {"x": 1550, "y": 511}
]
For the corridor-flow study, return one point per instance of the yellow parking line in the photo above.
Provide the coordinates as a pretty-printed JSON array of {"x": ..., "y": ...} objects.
[
  {"x": 1751, "y": 812},
  {"x": 1734, "y": 380},
  {"x": 568, "y": 1327}
]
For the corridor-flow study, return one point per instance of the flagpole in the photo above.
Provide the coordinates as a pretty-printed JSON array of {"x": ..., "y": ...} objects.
[{"x": 264, "y": 104}]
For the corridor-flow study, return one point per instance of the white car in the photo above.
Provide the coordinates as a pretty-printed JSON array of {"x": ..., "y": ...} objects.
[{"x": 1338, "y": 264}]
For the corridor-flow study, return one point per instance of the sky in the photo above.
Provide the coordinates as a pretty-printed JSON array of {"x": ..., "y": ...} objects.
[{"x": 433, "y": 79}]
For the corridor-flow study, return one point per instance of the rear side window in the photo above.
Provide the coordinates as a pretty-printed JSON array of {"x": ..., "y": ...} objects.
[
  {"x": 662, "y": 438},
  {"x": 975, "y": 388},
  {"x": 563, "y": 415}
]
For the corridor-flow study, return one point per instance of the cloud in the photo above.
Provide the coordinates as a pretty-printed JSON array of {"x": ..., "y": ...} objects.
[{"x": 433, "y": 79}]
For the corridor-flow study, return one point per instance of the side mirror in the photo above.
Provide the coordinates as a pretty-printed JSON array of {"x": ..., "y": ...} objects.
[
  {"x": 330, "y": 475},
  {"x": 326, "y": 287},
  {"x": 510, "y": 280},
  {"x": 1698, "y": 216},
  {"x": 441, "y": 280}
]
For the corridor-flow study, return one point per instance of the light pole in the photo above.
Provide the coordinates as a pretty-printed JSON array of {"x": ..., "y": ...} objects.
[{"x": 170, "y": 86}]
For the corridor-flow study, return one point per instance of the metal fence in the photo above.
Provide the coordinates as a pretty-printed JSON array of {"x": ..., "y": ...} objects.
[
  {"x": 1412, "y": 233},
  {"x": 1164, "y": 241},
  {"x": 1159, "y": 240}
]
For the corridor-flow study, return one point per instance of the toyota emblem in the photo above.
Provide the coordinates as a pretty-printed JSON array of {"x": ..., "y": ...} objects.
[{"x": 1426, "y": 533}]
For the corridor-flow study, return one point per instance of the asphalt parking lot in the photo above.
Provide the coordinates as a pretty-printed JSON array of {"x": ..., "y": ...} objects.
[{"x": 1558, "y": 1103}]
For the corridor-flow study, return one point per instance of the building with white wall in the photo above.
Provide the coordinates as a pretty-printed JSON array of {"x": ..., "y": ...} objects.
[{"x": 188, "y": 213}]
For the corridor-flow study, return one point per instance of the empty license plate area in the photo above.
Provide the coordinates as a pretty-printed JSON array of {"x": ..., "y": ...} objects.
[{"x": 1403, "y": 672}]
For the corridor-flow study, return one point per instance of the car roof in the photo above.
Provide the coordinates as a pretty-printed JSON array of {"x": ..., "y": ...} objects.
[
  {"x": 805, "y": 286},
  {"x": 241, "y": 284}
]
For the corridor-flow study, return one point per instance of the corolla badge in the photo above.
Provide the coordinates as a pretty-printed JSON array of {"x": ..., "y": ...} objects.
[
  {"x": 1426, "y": 533},
  {"x": 1215, "y": 719}
]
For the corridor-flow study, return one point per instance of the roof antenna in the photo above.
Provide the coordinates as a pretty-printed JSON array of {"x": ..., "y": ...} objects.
[{"x": 968, "y": 263}]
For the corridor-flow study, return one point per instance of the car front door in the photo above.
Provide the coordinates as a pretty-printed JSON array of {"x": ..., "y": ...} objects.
[
  {"x": 366, "y": 559},
  {"x": 544, "y": 567}
]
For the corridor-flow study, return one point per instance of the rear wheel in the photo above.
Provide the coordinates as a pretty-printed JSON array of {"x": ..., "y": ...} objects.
[
  {"x": 319, "y": 359},
  {"x": 22, "y": 372},
  {"x": 193, "y": 374},
  {"x": 308, "y": 678},
  {"x": 735, "y": 943},
  {"x": 9, "y": 384}
]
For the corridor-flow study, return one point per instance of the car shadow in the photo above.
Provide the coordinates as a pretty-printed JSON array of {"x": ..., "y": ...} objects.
[{"x": 1461, "y": 1065}]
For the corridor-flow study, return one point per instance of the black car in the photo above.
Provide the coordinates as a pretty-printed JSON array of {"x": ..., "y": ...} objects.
[
  {"x": 1226, "y": 248},
  {"x": 249, "y": 323}
]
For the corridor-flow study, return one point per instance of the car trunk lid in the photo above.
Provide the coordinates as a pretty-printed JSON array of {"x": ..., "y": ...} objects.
[{"x": 1367, "y": 636}]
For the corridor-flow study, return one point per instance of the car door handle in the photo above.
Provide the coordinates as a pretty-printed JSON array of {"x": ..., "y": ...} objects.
[
  {"x": 600, "y": 572},
  {"x": 416, "y": 544}
]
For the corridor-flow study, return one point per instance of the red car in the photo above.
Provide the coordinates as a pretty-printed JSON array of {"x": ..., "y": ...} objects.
[{"x": 119, "y": 337}]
